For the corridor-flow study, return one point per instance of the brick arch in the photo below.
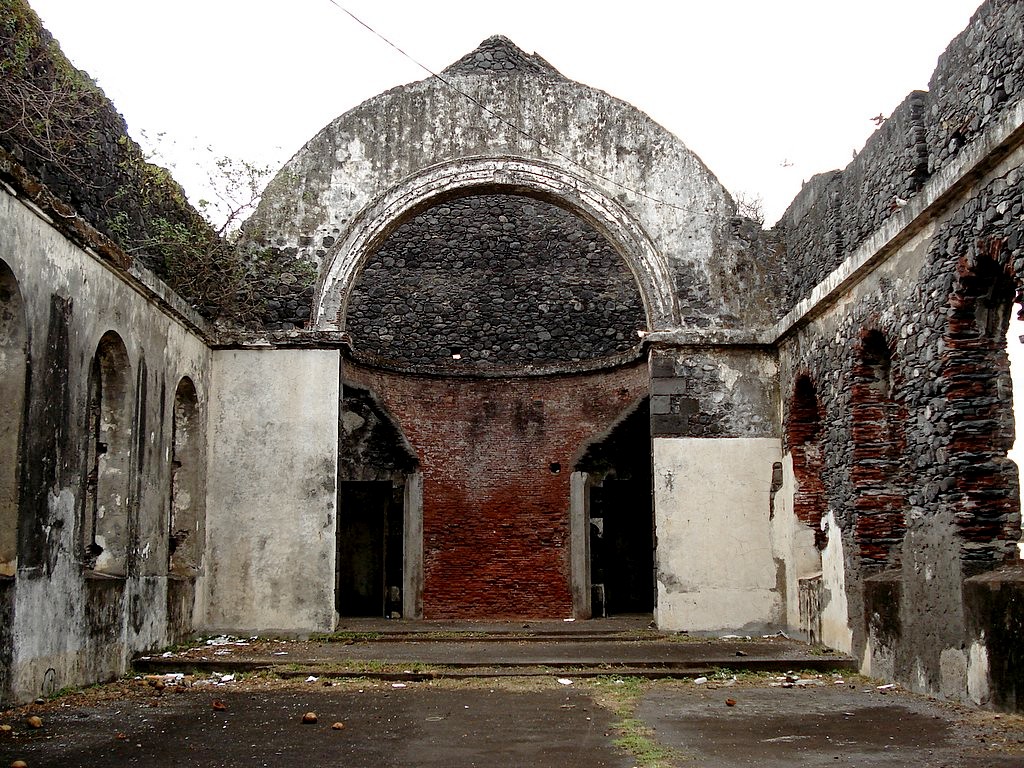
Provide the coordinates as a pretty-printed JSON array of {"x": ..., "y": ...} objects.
[
  {"x": 976, "y": 387},
  {"x": 378, "y": 219},
  {"x": 878, "y": 432},
  {"x": 803, "y": 440}
]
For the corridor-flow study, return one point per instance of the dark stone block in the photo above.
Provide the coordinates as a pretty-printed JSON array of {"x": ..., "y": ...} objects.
[
  {"x": 668, "y": 387},
  {"x": 994, "y": 610},
  {"x": 672, "y": 424}
]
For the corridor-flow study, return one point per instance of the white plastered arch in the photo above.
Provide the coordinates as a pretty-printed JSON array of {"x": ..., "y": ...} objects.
[{"x": 379, "y": 218}]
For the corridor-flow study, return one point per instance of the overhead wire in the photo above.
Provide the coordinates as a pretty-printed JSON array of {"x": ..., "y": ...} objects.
[{"x": 518, "y": 128}]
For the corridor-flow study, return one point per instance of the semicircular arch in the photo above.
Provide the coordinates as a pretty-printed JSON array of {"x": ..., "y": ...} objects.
[{"x": 377, "y": 220}]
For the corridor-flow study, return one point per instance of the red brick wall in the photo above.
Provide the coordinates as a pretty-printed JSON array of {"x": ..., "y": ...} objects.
[
  {"x": 803, "y": 440},
  {"x": 495, "y": 517},
  {"x": 879, "y": 443}
]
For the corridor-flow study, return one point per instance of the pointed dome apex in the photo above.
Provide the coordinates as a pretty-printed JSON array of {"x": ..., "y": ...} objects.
[{"x": 497, "y": 55}]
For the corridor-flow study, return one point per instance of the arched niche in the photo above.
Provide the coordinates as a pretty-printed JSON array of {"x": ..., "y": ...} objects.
[
  {"x": 879, "y": 443},
  {"x": 108, "y": 454},
  {"x": 13, "y": 367},
  {"x": 185, "y": 541}
]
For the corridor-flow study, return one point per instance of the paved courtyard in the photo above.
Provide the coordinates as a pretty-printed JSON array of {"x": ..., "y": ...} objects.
[{"x": 256, "y": 720}]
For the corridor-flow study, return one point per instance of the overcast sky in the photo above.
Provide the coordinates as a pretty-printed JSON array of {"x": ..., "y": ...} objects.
[{"x": 766, "y": 93}]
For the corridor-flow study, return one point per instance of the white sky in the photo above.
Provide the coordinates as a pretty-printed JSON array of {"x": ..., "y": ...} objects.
[{"x": 749, "y": 85}]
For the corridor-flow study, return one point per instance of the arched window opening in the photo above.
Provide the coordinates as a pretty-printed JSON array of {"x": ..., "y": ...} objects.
[
  {"x": 13, "y": 366},
  {"x": 982, "y": 483},
  {"x": 185, "y": 540},
  {"x": 879, "y": 443},
  {"x": 105, "y": 522},
  {"x": 803, "y": 440}
]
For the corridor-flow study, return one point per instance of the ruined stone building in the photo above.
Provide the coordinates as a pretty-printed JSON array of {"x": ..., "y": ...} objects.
[{"x": 519, "y": 356}]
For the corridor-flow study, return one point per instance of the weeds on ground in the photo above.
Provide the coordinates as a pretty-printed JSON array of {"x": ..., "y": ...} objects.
[
  {"x": 621, "y": 695},
  {"x": 344, "y": 637}
]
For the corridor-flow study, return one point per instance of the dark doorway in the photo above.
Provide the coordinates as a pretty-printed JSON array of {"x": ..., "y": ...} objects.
[
  {"x": 621, "y": 507},
  {"x": 369, "y": 564}
]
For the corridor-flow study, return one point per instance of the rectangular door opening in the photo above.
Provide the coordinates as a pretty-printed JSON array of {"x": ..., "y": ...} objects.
[{"x": 369, "y": 550}]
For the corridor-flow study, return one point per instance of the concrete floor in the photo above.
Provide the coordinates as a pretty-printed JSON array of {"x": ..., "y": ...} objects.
[{"x": 509, "y": 722}]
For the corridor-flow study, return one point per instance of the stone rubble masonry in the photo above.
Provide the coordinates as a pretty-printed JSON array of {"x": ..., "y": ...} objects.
[
  {"x": 497, "y": 55},
  {"x": 714, "y": 392},
  {"x": 942, "y": 305},
  {"x": 494, "y": 281},
  {"x": 979, "y": 77}
]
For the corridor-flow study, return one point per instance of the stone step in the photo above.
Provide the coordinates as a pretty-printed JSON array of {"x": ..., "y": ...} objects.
[{"x": 447, "y": 654}]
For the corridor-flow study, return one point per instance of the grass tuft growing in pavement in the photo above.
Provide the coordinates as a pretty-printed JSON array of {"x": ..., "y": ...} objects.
[{"x": 622, "y": 695}]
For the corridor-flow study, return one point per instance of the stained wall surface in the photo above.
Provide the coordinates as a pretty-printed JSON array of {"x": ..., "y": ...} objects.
[
  {"x": 339, "y": 197},
  {"x": 272, "y": 490},
  {"x": 66, "y": 625},
  {"x": 496, "y": 457}
]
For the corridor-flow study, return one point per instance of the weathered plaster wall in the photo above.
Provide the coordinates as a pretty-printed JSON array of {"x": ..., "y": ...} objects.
[
  {"x": 272, "y": 485},
  {"x": 66, "y": 626},
  {"x": 716, "y": 569}
]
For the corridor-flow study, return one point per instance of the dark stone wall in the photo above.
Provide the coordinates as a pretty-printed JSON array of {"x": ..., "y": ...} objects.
[
  {"x": 953, "y": 508},
  {"x": 498, "y": 56},
  {"x": 979, "y": 76},
  {"x": 501, "y": 281}
]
